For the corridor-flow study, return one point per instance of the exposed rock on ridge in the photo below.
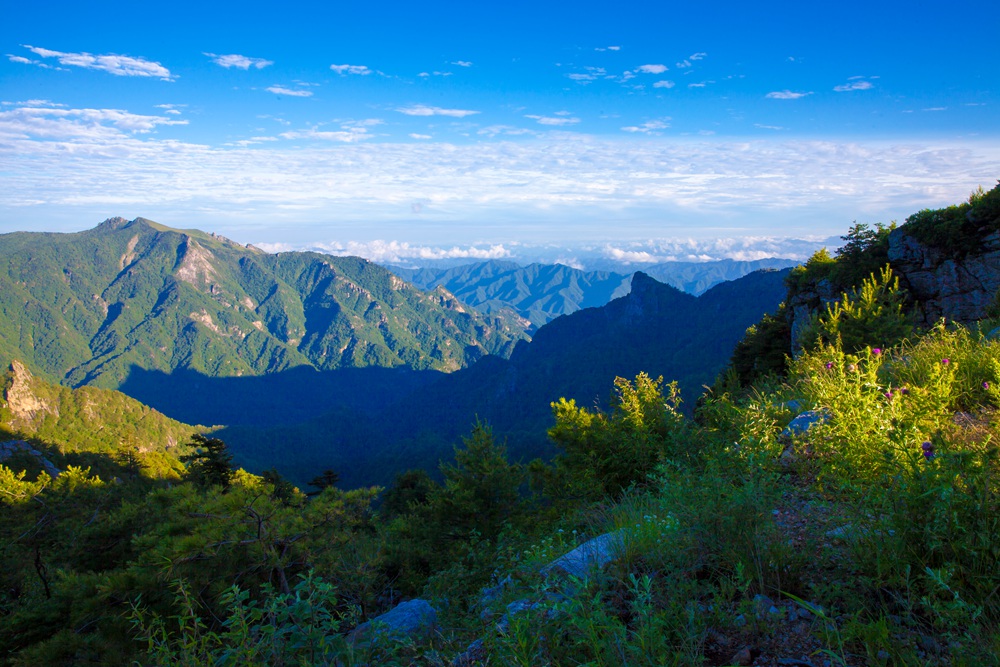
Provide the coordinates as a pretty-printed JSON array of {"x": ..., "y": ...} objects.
[{"x": 956, "y": 289}]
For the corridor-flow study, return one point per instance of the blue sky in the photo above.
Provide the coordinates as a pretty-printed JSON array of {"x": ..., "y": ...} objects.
[{"x": 471, "y": 126}]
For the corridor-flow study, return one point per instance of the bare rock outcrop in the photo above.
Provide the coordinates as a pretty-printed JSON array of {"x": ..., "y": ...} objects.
[{"x": 959, "y": 289}]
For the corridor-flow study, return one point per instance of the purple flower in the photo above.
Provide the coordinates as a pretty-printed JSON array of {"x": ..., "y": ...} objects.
[
  {"x": 904, "y": 391},
  {"x": 828, "y": 365},
  {"x": 888, "y": 395},
  {"x": 877, "y": 351},
  {"x": 986, "y": 385},
  {"x": 945, "y": 361},
  {"x": 928, "y": 448}
]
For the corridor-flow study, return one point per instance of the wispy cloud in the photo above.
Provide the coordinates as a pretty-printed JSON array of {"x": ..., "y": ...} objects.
[
  {"x": 238, "y": 61},
  {"x": 786, "y": 95},
  {"x": 508, "y": 130},
  {"x": 85, "y": 164},
  {"x": 608, "y": 48},
  {"x": 85, "y": 125},
  {"x": 856, "y": 83},
  {"x": 651, "y": 69},
  {"x": 461, "y": 63},
  {"x": 588, "y": 74},
  {"x": 424, "y": 110},
  {"x": 350, "y": 131},
  {"x": 769, "y": 127},
  {"x": 683, "y": 64},
  {"x": 698, "y": 56},
  {"x": 558, "y": 119},
  {"x": 111, "y": 63},
  {"x": 363, "y": 70},
  {"x": 289, "y": 92},
  {"x": 650, "y": 126},
  {"x": 664, "y": 84},
  {"x": 414, "y": 135},
  {"x": 396, "y": 252},
  {"x": 173, "y": 109}
]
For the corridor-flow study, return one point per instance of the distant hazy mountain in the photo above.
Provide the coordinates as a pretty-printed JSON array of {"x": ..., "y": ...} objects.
[
  {"x": 655, "y": 328},
  {"x": 537, "y": 292},
  {"x": 542, "y": 292},
  {"x": 95, "y": 307},
  {"x": 698, "y": 277}
]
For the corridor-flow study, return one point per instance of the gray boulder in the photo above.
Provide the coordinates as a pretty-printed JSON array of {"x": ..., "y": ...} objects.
[
  {"x": 589, "y": 556},
  {"x": 804, "y": 422},
  {"x": 409, "y": 619}
]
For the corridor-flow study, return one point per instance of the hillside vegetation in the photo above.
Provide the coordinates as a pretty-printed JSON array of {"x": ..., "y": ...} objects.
[{"x": 842, "y": 513}]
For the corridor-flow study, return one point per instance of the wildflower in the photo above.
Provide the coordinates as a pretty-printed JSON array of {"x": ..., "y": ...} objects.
[
  {"x": 828, "y": 365},
  {"x": 904, "y": 391},
  {"x": 928, "y": 448},
  {"x": 888, "y": 395},
  {"x": 877, "y": 351},
  {"x": 986, "y": 385},
  {"x": 852, "y": 367},
  {"x": 945, "y": 361}
]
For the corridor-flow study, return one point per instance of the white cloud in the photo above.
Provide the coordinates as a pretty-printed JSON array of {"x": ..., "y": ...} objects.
[
  {"x": 650, "y": 126},
  {"x": 509, "y": 130},
  {"x": 363, "y": 70},
  {"x": 854, "y": 85},
  {"x": 424, "y": 110},
  {"x": 651, "y": 69},
  {"x": 683, "y": 64},
  {"x": 663, "y": 84},
  {"x": 558, "y": 120},
  {"x": 20, "y": 59},
  {"x": 786, "y": 95},
  {"x": 238, "y": 61},
  {"x": 697, "y": 56},
  {"x": 414, "y": 135},
  {"x": 589, "y": 74},
  {"x": 172, "y": 109},
  {"x": 396, "y": 252},
  {"x": 290, "y": 92},
  {"x": 112, "y": 63},
  {"x": 81, "y": 165},
  {"x": 769, "y": 127},
  {"x": 462, "y": 63},
  {"x": 350, "y": 131},
  {"x": 82, "y": 125}
]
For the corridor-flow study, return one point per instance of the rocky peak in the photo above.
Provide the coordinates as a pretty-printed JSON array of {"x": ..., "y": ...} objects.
[{"x": 117, "y": 222}]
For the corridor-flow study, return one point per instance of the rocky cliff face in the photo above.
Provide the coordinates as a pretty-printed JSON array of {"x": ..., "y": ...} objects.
[
  {"x": 957, "y": 289},
  {"x": 24, "y": 404},
  {"x": 942, "y": 285}
]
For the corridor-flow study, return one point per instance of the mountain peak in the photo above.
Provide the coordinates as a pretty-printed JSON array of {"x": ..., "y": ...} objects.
[{"x": 116, "y": 222}]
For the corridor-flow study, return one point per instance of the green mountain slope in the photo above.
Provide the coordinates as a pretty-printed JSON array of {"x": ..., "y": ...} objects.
[
  {"x": 89, "y": 420},
  {"x": 93, "y": 307}
]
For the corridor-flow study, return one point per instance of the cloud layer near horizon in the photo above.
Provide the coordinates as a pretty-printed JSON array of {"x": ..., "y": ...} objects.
[{"x": 103, "y": 162}]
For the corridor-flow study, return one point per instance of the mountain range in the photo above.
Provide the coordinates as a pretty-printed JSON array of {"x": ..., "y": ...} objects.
[
  {"x": 312, "y": 361},
  {"x": 655, "y": 329},
  {"x": 542, "y": 292}
]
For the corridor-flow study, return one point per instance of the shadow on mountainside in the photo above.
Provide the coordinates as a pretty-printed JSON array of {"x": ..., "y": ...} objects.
[{"x": 289, "y": 397}]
